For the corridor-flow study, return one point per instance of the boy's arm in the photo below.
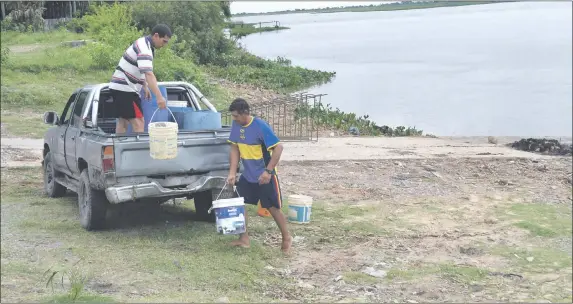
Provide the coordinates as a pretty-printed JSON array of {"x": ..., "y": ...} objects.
[
  {"x": 234, "y": 154},
  {"x": 275, "y": 157},
  {"x": 233, "y": 159}
]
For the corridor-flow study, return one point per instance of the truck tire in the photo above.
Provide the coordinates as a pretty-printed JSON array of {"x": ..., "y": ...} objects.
[
  {"x": 204, "y": 200},
  {"x": 92, "y": 204},
  {"x": 51, "y": 187}
]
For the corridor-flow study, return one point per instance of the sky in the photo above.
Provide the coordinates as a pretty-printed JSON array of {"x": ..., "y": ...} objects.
[{"x": 272, "y": 6}]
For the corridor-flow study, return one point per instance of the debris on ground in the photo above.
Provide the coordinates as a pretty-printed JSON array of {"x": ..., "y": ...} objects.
[{"x": 543, "y": 146}]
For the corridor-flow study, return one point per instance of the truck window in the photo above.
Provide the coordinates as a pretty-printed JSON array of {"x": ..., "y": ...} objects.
[
  {"x": 67, "y": 113},
  {"x": 78, "y": 109}
]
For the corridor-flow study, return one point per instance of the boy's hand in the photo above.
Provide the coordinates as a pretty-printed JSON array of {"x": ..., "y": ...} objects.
[
  {"x": 231, "y": 179},
  {"x": 265, "y": 178}
]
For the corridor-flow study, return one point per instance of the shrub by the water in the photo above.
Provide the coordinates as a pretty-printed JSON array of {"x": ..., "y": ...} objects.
[{"x": 325, "y": 116}]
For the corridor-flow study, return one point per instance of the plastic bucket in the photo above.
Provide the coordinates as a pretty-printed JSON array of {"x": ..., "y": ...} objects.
[
  {"x": 163, "y": 139},
  {"x": 299, "y": 209},
  {"x": 230, "y": 215}
]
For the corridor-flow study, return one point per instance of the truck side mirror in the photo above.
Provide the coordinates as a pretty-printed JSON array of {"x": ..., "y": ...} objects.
[{"x": 51, "y": 118}]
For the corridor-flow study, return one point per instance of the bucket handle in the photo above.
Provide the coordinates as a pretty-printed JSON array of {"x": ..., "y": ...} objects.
[
  {"x": 151, "y": 120},
  {"x": 225, "y": 186}
]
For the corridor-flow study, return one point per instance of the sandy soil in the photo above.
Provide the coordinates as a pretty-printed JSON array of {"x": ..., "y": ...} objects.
[{"x": 27, "y": 152}]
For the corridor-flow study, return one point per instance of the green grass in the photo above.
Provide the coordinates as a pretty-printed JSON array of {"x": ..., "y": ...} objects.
[
  {"x": 9, "y": 38},
  {"x": 544, "y": 258},
  {"x": 181, "y": 259},
  {"x": 82, "y": 299},
  {"x": 541, "y": 220},
  {"x": 359, "y": 278},
  {"x": 454, "y": 273}
]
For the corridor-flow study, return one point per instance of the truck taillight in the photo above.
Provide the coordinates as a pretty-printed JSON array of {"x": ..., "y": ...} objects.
[{"x": 107, "y": 159}]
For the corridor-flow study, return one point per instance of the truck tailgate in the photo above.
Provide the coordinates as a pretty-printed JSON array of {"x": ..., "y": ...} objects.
[{"x": 197, "y": 152}]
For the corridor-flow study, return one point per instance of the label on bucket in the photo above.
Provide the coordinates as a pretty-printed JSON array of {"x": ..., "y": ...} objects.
[
  {"x": 230, "y": 220},
  {"x": 299, "y": 214}
]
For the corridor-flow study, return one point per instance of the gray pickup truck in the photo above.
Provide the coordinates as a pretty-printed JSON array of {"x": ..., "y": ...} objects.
[{"x": 82, "y": 153}]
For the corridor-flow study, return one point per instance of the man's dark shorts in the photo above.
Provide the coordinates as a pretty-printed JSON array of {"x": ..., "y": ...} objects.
[
  {"x": 269, "y": 194},
  {"x": 127, "y": 104}
]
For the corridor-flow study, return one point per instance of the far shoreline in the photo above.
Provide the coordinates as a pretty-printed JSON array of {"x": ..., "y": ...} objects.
[{"x": 372, "y": 8}]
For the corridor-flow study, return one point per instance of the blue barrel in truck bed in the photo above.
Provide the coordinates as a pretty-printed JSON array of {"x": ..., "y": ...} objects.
[
  {"x": 190, "y": 120},
  {"x": 148, "y": 108}
]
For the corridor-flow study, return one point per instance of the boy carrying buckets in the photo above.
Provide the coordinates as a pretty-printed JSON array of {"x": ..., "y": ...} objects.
[{"x": 253, "y": 140}]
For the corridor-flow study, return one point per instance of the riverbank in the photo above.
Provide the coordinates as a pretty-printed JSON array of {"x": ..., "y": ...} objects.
[{"x": 406, "y": 5}]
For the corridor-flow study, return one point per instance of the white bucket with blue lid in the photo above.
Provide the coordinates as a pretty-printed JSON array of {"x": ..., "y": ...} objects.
[
  {"x": 299, "y": 209},
  {"x": 229, "y": 214}
]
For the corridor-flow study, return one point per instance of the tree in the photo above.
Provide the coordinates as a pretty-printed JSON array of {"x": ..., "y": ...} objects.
[{"x": 24, "y": 16}]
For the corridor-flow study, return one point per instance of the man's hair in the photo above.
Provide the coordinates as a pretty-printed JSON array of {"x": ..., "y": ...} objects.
[
  {"x": 240, "y": 105},
  {"x": 162, "y": 30}
]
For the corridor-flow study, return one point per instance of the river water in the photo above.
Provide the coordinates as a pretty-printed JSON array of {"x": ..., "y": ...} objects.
[{"x": 497, "y": 69}]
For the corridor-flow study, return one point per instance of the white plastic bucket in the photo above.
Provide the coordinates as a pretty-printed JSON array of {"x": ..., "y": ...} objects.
[
  {"x": 299, "y": 209},
  {"x": 230, "y": 215},
  {"x": 163, "y": 138}
]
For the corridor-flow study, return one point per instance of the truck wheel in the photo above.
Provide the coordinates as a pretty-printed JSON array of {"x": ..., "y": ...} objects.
[
  {"x": 204, "y": 201},
  {"x": 51, "y": 187},
  {"x": 92, "y": 204}
]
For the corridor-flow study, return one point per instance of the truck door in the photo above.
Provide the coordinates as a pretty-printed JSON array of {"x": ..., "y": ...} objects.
[
  {"x": 73, "y": 132},
  {"x": 59, "y": 150}
]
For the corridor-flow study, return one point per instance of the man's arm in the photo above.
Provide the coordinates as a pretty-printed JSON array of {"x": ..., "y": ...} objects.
[
  {"x": 151, "y": 82},
  {"x": 145, "y": 64}
]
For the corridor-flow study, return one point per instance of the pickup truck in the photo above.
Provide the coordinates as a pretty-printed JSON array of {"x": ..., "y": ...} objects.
[{"x": 82, "y": 153}]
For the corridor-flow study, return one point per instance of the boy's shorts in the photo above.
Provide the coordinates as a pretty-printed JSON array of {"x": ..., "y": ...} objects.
[{"x": 269, "y": 194}]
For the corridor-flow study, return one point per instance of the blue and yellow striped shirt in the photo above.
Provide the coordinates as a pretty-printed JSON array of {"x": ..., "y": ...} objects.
[{"x": 255, "y": 141}]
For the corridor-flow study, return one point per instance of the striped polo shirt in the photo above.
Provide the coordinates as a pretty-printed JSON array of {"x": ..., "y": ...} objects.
[
  {"x": 255, "y": 141},
  {"x": 136, "y": 60}
]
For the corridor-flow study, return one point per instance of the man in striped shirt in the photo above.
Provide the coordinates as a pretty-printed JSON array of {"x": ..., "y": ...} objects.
[{"x": 134, "y": 72}]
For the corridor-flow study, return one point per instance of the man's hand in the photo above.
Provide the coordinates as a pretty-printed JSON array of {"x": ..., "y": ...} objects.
[
  {"x": 161, "y": 103},
  {"x": 265, "y": 178},
  {"x": 147, "y": 93},
  {"x": 231, "y": 179}
]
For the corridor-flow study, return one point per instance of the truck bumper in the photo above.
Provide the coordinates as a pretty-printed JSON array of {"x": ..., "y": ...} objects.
[{"x": 120, "y": 194}]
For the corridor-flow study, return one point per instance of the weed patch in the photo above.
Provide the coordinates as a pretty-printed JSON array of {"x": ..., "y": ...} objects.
[{"x": 541, "y": 220}]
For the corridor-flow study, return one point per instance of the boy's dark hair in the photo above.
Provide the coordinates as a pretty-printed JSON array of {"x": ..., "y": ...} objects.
[
  {"x": 162, "y": 30},
  {"x": 240, "y": 105}
]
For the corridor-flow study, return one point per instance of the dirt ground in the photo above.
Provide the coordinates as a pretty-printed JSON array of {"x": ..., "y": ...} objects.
[
  {"x": 439, "y": 221},
  {"x": 27, "y": 152}
]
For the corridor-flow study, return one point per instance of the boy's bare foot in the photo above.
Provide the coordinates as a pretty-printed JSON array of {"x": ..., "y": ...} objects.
[
  {"x": 242, "y": 242},
  {"x": 239, "y": 243},
  {"x": 286, "y": 244}
]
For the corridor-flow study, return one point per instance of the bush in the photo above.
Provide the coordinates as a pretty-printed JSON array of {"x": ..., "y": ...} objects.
[
  {"x": 4, "y": 55},
  {"x": 198, "y": 25}
]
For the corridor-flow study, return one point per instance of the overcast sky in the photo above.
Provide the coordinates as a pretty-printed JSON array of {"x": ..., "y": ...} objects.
[{"x": 272, "y": 6}]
